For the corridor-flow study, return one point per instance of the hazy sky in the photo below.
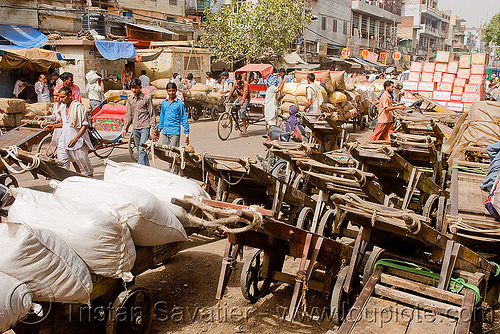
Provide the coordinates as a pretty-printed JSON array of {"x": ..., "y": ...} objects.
[{"x": 474, "y": 11}]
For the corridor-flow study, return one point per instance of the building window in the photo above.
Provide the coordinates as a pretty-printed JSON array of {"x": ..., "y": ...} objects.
[
  {"x": 323, "y": 23},
  {"x": 172, "y": 2},
  {"x": 346, "y": 28},
  {"x": 334, "y": 25}
]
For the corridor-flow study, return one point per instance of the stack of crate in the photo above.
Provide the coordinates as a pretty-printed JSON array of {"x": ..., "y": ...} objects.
[{"x": 455, "y": 84}]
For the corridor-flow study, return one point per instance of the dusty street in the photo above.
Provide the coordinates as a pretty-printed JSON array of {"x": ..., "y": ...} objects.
[{"x": 184, "y": 289}]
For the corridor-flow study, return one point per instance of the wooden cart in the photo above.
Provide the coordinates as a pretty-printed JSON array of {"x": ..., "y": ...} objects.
[
  {"x": 24, "y": 136},
  {"x": 125, "y": 307},
  {"x": 272, "y": 242},
  {"x": 329, "y": 134},
  {"x": 249, "y": 183},
  {"x": 467, "y": 220},
  {"x": 397, "y": 175},
  {"x": 412, "y": 240}
]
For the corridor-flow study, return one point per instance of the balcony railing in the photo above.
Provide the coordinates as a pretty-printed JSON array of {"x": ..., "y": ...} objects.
[{"x": 430, "y": 30}]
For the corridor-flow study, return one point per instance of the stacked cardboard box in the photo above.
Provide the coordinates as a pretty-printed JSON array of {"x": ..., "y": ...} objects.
[{"x": 452, "y": 83}]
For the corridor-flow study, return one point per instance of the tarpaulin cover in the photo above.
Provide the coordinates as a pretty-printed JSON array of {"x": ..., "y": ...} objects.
[
  {"x": 38, "y": 60},
  {"x": 23, "y": 36},
  {"x": 480, "y": 126},
  {"x": 116, "y": 50},
  {"x": 264, "y": 69}
]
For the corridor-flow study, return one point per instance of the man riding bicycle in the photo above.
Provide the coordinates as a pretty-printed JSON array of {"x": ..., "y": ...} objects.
[{"x": 242, "y": 100}]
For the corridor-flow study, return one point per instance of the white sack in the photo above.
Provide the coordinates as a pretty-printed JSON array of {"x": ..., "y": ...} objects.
[
  {"x": 45, "y": 263},
  {"x": 15, "y": 301},
  {"x": 94, "y": 231},
  {"x": 151, "y": 223},
  {"x": 163, "y": 185}
]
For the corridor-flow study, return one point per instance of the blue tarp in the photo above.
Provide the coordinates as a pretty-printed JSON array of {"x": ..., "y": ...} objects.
[
  {"x": 23, "y": 36},
  {"x": 116, "y": 50}
]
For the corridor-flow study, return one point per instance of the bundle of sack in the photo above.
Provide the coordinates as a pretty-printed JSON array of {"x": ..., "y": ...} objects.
[
  {"x": 38, "y": 109},
  {"x": 54, "y": 241},
  {"x": 295, "y": 93},
  {"x": 11, "y": 111}
]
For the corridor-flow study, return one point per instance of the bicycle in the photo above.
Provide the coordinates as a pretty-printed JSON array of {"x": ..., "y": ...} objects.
[{"x": 226, "y": 120}]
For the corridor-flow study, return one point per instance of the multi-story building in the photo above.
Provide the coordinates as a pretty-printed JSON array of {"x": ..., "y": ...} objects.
[
  {"x": 456, "y": 35},
  {"x": 374, "y": 24},
  {"x": 329, "y": 31},
  {"x": 426, "y": 25}
]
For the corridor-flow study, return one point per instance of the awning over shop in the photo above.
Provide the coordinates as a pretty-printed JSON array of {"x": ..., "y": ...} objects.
[
  {"x": 152, "y": 28},
  {"x": 367, "y": 63},
  {"x": 264, "y": 69},
  {"x": 23, "y": 36},
  {"x": 38, "y": 60},
  {"x": 293, "y": 59},
  {"x": 116, "y": 50},
  {"x": 143, "y": 56}
]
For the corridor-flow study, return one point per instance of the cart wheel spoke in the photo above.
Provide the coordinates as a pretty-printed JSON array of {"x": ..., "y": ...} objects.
[
  {"x": 253, "y": 285},
  {"x": 132, "y": 312},
  {"x": 304, "y": 221}
]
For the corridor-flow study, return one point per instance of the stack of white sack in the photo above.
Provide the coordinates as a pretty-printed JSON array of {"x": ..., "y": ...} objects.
[
  {"x": 51, "y": 270},
  {"x": 15, "y": 301},
  {"x": 151, "y": 223},
  {"x": 163, "y": 185},
  {"x": 94, "y": 231}
]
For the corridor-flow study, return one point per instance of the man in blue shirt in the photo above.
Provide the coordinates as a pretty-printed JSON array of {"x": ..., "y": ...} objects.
[
  {"x": 227, "y": 84},
  {"x": 172, "y": 115}
]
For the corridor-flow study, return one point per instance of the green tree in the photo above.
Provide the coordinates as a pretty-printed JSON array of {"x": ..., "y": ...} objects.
[
  {"x": 492, "y": 30},
  {"x": 255, "y": 31}
]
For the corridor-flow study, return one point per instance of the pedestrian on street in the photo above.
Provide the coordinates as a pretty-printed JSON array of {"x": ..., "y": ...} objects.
[
  {"x": 95, "y": 88},
  {"x": 313, "y": 95},
  {"x": 190, "y": 82},
  {"x": 210, "y": 81},
  {"x": 74, "y": 140},
  {"x": 385, "y": 125},
  {"x": 126, "y": 77},
  {"x": 67, "y": 79},
  {"x": 42, "y": 89},
  {"x": 145, "y": 81},
  {"x": 140, "y": 113},
  {"x": 172, "y": 115}
]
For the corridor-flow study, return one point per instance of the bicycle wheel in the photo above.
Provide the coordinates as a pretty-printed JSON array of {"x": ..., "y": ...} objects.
[
  {"x": 45, "y": 147},
  {"x": 224, "y": 126},
  {"x": 132, "y": 149},
  {"x": 104, "y": 150}
]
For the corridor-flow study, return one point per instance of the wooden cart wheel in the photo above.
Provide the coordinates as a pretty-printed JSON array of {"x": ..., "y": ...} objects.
[
  {"x": 304, "y": 221},
  {"x": 253, "y": 285},
  {"x": 326, "y": 223},
  {"x": 340, "y": 301},
  {"x": 440, "y": 214},
  {"x": 132, "y": 149},
  {"x": 224, "y": 126},
  {"x": 195, "y": 113},
  {"x": 240, "y": 201},
  {"x": 431, "y": 208},
  {"x": 132, "y": 312},
  {"x": 374, "y": 257},
  {"x": 362, "y": 123},
  {"x": 9, "y": 181},
  {"x": 214, "y": 113}
]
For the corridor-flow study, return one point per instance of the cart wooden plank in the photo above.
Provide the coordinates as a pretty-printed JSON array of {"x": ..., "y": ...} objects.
[{"x": 388, "y": 315}]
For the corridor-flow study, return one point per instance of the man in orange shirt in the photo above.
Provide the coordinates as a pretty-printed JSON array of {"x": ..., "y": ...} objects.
[
  {"x": 385, "y": 125},
  {"x": 67, "y": 79}
]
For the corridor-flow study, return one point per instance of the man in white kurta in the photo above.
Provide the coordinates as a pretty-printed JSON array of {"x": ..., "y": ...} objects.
[{"x": 74, "y": 141}]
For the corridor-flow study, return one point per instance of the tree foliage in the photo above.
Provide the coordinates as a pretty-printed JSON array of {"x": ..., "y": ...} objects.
[
  {"x": 255, "y": 31},
  {"x": 492, "y": 32}
]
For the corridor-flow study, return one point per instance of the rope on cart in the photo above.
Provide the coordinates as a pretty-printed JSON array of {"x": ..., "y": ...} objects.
[
  {"x": 376, "y": 210},
  {"x": 456, "y": 284},
  {"x": 247, "y": 171},
  {"x": 12, "y": 152},
  {"x": 475, "y": 170},
  {"x": 229, "y": 219}
]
